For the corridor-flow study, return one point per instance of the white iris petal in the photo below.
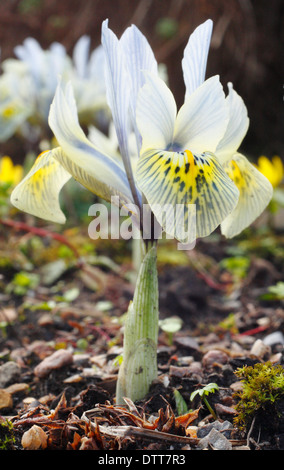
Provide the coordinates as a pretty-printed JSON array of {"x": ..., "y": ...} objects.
[{"x": 194, "y": 61}]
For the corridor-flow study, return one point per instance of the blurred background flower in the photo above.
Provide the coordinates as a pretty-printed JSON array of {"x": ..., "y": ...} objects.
[
  {"x": 273, "y": 169},
  {"x": 10, "y": 174}
]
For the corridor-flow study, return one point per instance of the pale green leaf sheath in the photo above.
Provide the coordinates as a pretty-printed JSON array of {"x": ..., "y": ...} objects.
[{"x": 139, "y": 366}]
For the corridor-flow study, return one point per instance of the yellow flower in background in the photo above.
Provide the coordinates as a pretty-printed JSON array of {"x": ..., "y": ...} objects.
[
  {"x": 10, "y": 173},
  {"x": 273, "y": 169}
]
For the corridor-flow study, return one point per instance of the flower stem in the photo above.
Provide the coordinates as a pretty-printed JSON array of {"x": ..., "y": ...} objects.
[{"x": 139, "y": 365}]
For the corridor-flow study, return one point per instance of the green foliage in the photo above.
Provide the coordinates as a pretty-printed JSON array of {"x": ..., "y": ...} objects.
[
  {"x": 7, "y": 438},
  {"x": 166, "y": 27},
  {"x": 209, "y": 388},
  {"x": 27, "y": 7},
  {"x": 263, "y": 387},
  {"x": 229, "y": 324},
  {"x": 203, "y": 392},
  {"x": 275, "y": 292},
  {"x": 22, "y": 282},
  {"x": 181, "y": 405},
  {"x": 237, "y": 265}
]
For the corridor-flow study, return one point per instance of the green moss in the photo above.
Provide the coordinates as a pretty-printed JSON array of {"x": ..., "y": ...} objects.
[
  {"x": 7, "y": 438},
  {"x": 263, "y": 388}
]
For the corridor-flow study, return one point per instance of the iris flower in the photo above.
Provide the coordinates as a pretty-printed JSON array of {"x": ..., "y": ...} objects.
[{"x": 184, "y": 158}]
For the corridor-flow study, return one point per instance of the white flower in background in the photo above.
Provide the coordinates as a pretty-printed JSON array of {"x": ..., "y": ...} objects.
[
  {"x": 77, "y": 156},
  {"x": 15, "y": 108},
  {"x": 44, "y": 67},
  {"x": 36, "y": 73},
  {"x": 183, "y": 157},
  {"x": 88, "y": 77}
]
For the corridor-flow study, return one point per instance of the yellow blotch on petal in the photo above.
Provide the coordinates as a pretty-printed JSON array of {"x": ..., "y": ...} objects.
[
  {"x": 255, "y": 193},
  {"x": 38, "y": 192},
  {"x": 180, "y": 180},
  {"x": 8, "y": 112}
]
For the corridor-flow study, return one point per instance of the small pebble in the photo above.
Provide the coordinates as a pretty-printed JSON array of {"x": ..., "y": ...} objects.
[
  {"x": 34, "y": 439},
  {"x": 225, "y": 426},
  {"x": 45, "y": 319},
  {"x": 191, "y": 431},
  {"x": 29, "y": 400},
  {"x": 214, "y": 440},
  {"x": 237, "y": 386},
  {"x": 58, "y": 359},
  {"x": 187, "y": 342},
  {"x": 17, "y": 388},
  {"x": 195, "y": 367},
  {"x": 9, "y": 372},
  {"x": 6, "y": 400},
  {"x": 259, "y": 349},
  {"x": 274, "y": 338},
  {"x": 214, "y": 357},
  {"x": 73, "y": 379},
  {"x": 241, "y": 448}
]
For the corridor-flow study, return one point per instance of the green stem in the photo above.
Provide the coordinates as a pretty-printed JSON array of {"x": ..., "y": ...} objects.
[
  {"x": 210, "y": 408},
  {"x": 139, "y": 366}
]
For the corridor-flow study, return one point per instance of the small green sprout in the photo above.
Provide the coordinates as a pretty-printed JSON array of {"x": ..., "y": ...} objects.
[
  {"x": 170, "y": 326},
  {"x": 203, "y": 392},
  {"x": 180, "y": 403}
]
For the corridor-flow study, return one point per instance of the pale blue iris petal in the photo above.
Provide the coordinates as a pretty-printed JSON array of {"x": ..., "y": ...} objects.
[
  {"x": 237, "y": 126},
  {"x": 31, "y": 53},
  {"x": 117, "y": 90},
  {"x": 63, "y": 121},
  {"x": 81, "y": 55},
  {"x": 156, "y": 114},
  {"x": 139, "y": 57},
  {"x": 195, "y": 57},
  {"x": 202, "y": 120}
]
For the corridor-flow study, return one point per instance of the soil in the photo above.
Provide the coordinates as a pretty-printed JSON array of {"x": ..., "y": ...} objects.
[{"x": 73, "y": 402}]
